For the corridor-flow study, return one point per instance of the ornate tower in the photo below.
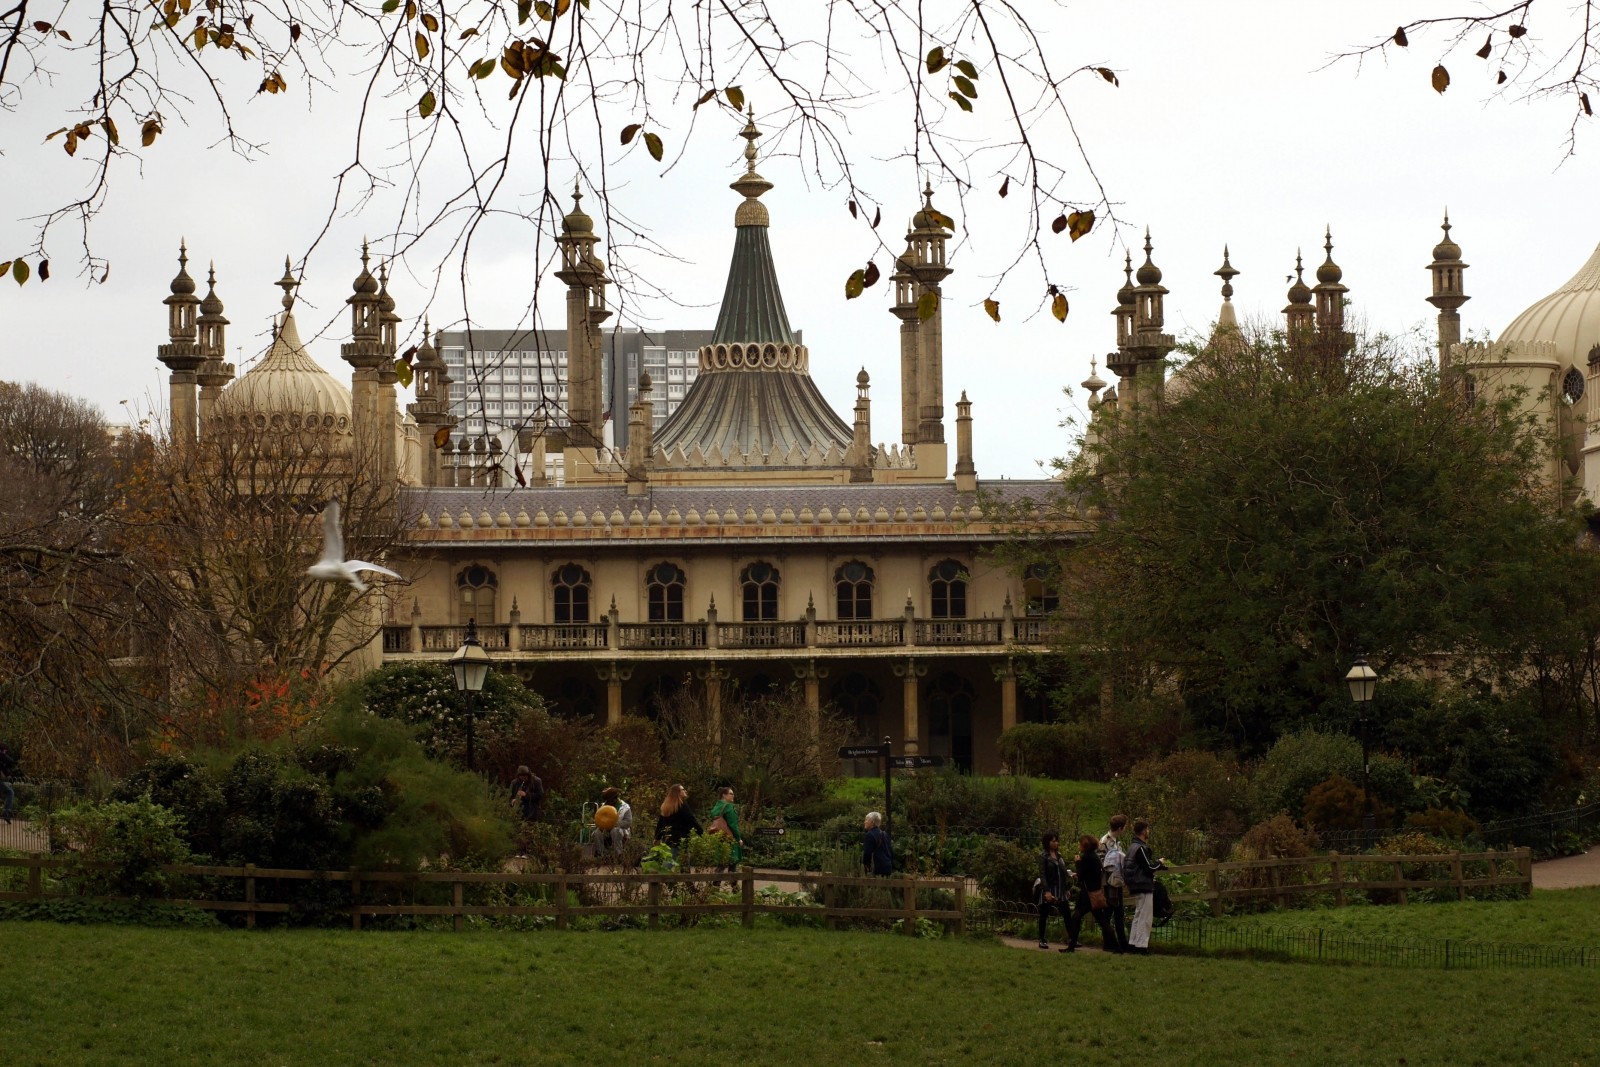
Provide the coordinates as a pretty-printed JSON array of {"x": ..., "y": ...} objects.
[
  {"x": 1123, "y": 362},
  {"x": 924, "y": 261},
  {"x": 861, "y": 432},
  {"x": 215, "y": 372},
  {"x": 432, "y": 407},
  {"x": 905, "y": 309},
  {"x": 966, "y": 473},
  {"x": 365, "y": 354},
  {"x": 1150, "y": 345},
  {"x": 1329, "y": 294},
  {"x": 1298, "y": 315},
  {"x": 585, "y": 276},
  {"x": 388, "y": 424},
  {"x": 1449, "y": 292},
  {"x": 1225, "y": 336},
  {"x": 182, "y": 353}
]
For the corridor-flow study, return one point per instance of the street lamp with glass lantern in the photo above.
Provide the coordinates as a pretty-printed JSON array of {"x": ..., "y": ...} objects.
[
  {"x": 1363, "y": 680},
  {"x": 470, "y": 663}
]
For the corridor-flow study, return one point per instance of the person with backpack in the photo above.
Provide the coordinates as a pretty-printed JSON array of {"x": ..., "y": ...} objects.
[
  {"x": 1139, "y": 878},
  {"x": 1091, "y": 898},
  {"x": 1111, "y": 857},
  {"x": 1051, "y": 886}
]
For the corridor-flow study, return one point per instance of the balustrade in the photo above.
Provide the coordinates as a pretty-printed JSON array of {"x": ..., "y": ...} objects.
[
  {"x": 761, "y": 634},
  {"x": 661, "y": 635}
]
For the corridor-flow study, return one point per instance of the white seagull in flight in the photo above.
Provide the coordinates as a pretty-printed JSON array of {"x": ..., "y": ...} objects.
[{"x": 333, "y": 567}]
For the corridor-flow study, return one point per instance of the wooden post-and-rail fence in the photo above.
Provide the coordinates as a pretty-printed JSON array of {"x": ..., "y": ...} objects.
[{"x": 832, "y": 898}]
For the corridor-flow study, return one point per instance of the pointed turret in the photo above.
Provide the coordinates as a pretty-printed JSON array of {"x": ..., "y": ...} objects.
[
  {"x": 752, "y": 304},
  {"x": 364, "y": 352},
  {"x": 1225, "y": 335},
  {"x": 215, "y": 372},
  {"x": 1122, "y": 362},
  {"x": 431, "y": 410},
  {"x": 1449, "y": 292},
  {"x": 1329, "y": 293},
  {"x": 861, "y": 435},
  {"x": 585, "y": 276},
  {"x": 183, "y": 353},
  {"x": 1298, "y": 314},
  {"x": 924, "y": 260},
  {"x": 388, "y": 425},
  {"x": 966, "y": 472},
  {"x": 1150, "y": 345}
]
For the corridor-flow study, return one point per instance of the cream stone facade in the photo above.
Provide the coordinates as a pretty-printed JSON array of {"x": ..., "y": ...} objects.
[{"x": 755, "y": 538}]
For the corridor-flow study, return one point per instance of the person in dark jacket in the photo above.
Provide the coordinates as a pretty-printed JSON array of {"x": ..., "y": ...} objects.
[
  {"x": 1091, "y": 887},
  {"x": 876, "y": 854},
  {"x": 677, "y": 819},
  {"x": 527, "y": 794},
  {"x": 1053, "y": 884},
  {"x": 1139, "y": 875}
]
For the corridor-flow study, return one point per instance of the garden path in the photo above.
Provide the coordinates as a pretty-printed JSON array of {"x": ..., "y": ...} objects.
[{"x": 1569, "y": 872}]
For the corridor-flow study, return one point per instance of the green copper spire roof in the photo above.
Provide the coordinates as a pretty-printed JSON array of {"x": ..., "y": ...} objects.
[{"x": 752, "y": 304}]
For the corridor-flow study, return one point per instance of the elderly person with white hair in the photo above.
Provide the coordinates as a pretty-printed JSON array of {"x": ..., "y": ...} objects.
[{"x": 876, "y": 855}]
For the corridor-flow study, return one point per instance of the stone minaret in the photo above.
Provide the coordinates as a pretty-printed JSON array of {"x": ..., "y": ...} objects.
[
  {"x": 1329, "y": 294},
  {"x": 641, "y": 423},
  {"x": 182, "y": 353},
  {"x": 432, "y": 407},
  {"x": 925, "y": 261},
  {"x": 1449, "y": 292},
  {"x": 905, "y": 309},
  {"x": 1123, "y": 362},
  {"x": 861, "y": 432},
  {"x": 966, "y": 473},
  {"x": 365, "y": 355},
  {"x": 1150, "y": 345},
  {"x": 585, "y": 276},
  {"x": 388, "y": 412},
  {"x": 215, "y": 372},
  {"x": 1299, "y": 315}
]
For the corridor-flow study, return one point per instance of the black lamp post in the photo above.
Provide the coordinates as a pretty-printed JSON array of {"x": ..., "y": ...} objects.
[
  {"x": 1362, "y": 680},
  {"x": 471, "y": 666}
]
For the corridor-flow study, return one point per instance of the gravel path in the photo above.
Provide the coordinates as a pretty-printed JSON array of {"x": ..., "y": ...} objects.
[{"x": 1569, "y": 872}]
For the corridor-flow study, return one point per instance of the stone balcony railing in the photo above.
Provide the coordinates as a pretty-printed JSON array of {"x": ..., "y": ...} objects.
[{"x": 709, "y": 635}]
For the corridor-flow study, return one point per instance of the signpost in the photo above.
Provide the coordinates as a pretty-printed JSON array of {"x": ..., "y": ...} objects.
[
  {"x": 771, "y": 831},
  {"x": 889, "y": 762}
]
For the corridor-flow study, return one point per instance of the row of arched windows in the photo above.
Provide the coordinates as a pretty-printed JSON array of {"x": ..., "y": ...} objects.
[{"x": 854, "y": 582}]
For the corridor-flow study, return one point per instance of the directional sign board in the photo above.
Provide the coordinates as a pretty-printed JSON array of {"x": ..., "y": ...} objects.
[
  {"x": 907, "y": 763},
  {"x": 860, "y": 751}
]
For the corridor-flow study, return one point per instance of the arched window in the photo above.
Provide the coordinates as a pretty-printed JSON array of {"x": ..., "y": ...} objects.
[
  {"x": 475, "y": 592},
  {"x": 664, "y": 583},
  {"x": 571, "y": 584},
  {"x": 948, "y": 584},
  {"x": 858, "y": 699},
  {"x": 853, "y": 584},
  {"x": 1039, "y": 590},
  {"x": 950, "y": 704},
  {"x": 760, "y": 584}
]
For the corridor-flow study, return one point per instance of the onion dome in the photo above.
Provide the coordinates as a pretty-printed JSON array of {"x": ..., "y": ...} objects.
[
  {"x": 1299, "y": 292},
  {"x": 183, "y": 285},
  {"x": 928, "y": 218},
  {"x": 1149, "y": 273},
  {"x": 577, "y": 220},
  {"x": 211, "y": 306},
  {"x": 1125, "y": 295},
  {"x": 385, "y": 301},
  {"x": 1329, "y": 273},
  {"x": 645, "y": 384},
  {"x": 1446, "y": 251},
  {"x": 862, "y": 379},
  {"x": 365, "y": 284},
  {"x": 1568, "y": 318},
  {"x": 287, "y": 392}
]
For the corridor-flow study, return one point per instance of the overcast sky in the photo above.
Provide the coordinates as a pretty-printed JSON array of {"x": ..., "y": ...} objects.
[{"x": 1223, "y": 130}]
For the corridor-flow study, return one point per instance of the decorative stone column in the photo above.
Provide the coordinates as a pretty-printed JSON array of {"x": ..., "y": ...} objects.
[{"x": 909, "y": 671}]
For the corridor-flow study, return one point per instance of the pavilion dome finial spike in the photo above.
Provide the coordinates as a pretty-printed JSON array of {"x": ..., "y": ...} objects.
[
  {"x": 287, "y": 283},
  {"x": 750, "y": 185},
  {"x": 1330, "y": 272},
  {"x": 1227, "y": 272}
]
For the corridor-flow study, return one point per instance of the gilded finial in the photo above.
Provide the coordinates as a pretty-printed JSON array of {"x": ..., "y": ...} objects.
[
  {"x": 183, "y": 253},
  {"x": 363, "y": 253},
  {"x": 1227, "y": 273},
  {"x": 750, "y": 184}
]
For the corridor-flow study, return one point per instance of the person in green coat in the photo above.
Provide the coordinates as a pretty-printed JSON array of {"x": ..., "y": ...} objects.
[{"x": 726, "y": 810}]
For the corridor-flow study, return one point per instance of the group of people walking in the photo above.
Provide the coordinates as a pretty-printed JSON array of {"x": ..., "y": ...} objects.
[
  {"x": 677, "y": 822},
  {"x": 1103, "y": 874}
]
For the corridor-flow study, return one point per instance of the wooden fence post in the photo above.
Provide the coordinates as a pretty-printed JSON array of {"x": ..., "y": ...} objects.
[
  {"x": 1336, "y": 875},
  {"x": 748, "y": 895},
  {"x": 961, "y": 906},
  {"x": 1214, "y": 887},
  {"x": 1525, "y": 867},
  {"x": 35, "y": 883},
  {"x": 455, "y": 901},
  {"x": 355, "y": 899},
  {"x": 655, "y": 905},
  {"x": 250, "y": 896},
  {"x": 911, "y": 907},
  {"x": 1456, "y": 876},
  {"x": 1400, "y": 876},
  {"x": 560, "y": 893}
]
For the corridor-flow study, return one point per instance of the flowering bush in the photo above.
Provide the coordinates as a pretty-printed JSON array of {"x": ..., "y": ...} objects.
[{"x": 424, "y": 695}]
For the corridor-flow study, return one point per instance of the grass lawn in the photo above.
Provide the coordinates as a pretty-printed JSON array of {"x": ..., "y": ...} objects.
[
  {"x": 119, "y": 996},
  {"x": 1549, "y": 916}
]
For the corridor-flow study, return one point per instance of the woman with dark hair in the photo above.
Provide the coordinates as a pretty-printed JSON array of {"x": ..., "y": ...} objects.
[
  {"x": 1052, "y": 884},
  {"x": 726, "y": 810},
  {"x": 1091, "y": 897},
  {"x": 677, "y": 820}
]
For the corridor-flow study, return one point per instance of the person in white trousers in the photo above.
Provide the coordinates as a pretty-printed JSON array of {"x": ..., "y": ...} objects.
[{"x": 1139, "y": 876}]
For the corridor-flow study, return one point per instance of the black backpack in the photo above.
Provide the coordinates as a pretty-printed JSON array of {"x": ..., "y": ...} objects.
[{"x": 1164, "y": 908}]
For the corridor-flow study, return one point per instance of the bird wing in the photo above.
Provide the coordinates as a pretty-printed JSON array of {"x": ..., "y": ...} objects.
[
  {"x": 363, "y": 565},
  {"x": 332, "y": 535}
]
